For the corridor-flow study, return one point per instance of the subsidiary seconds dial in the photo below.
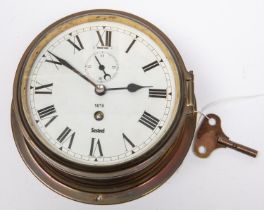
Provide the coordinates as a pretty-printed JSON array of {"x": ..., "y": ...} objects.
[
  {"x": 101, "y": 66},
  {"x": 101, "y": 93}
]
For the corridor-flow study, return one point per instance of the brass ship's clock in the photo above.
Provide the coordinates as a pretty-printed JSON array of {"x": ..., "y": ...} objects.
[{"x": 103, "y": 107}]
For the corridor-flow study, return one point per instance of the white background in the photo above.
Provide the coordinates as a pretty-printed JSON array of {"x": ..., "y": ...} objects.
[{"x": 222, "y": 41}]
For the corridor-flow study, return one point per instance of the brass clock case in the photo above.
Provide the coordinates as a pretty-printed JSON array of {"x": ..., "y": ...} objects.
[{"x": 111, "y": 184}]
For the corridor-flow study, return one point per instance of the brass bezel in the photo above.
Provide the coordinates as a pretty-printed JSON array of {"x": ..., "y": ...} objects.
[{"x": 105, "y": 185}]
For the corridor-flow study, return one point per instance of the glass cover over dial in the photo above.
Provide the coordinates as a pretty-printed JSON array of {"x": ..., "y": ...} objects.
[{"x": 102, "y": 93}]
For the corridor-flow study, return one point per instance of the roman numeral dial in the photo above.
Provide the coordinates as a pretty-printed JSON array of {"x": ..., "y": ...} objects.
[{"x": 103, "y": 92}]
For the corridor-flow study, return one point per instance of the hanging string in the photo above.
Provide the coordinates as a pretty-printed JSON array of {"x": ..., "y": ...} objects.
[{"x": 203, "y": 114}]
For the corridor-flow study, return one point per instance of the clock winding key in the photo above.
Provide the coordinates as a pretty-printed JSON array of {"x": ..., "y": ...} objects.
[{"x": 210, "y": 136}]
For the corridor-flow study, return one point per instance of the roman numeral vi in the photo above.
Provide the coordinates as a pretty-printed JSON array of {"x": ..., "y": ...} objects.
[{"x": 96, "y": 147}]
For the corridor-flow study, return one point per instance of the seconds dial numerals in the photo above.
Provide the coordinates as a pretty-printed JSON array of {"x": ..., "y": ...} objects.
[{"x": 124, "y": 121}]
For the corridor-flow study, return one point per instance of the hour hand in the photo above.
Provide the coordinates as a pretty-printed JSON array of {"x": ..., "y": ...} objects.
[
  {"x": 131, "y": 87},
  {"x": 102, "y": 68}
]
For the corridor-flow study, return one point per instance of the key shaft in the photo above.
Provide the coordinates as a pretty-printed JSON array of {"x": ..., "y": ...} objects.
[{"x": 238, "y": 147}]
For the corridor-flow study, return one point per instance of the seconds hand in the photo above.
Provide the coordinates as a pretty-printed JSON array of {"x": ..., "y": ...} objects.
[{"x": 102, "y": 68}]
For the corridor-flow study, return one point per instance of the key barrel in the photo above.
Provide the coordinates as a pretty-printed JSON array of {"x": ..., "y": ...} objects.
[{"x": 238, "y": 147}]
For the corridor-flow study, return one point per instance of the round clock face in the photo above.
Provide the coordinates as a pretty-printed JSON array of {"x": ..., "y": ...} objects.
[{"x": 102, "y": 93}]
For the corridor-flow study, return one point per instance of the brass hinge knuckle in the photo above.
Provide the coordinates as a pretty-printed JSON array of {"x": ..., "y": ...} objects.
[{"x": 190, "y": 100}]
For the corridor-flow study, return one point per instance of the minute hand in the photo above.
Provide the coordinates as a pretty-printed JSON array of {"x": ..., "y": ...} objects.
[
  {"x": 131, "y": 87},
  {"x": 69, "y": 66}
]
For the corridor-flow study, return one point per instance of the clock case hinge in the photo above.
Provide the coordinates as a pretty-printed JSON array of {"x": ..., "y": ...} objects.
[{"x": 190, "y": 102}]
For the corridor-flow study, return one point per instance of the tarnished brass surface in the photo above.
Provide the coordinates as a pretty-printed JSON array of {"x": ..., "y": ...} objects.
[
  {"x": 111, "y": 184},
  {"x": 210, "y": 136}
]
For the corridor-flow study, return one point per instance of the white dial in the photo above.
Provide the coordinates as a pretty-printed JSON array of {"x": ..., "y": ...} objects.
[{"x": 136, "y": 108}]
